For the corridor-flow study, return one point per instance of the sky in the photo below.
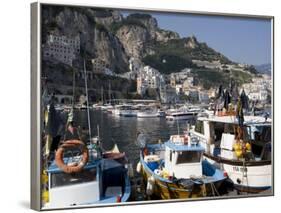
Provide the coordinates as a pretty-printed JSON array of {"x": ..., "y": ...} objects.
[{"x": 243, "y": 40}]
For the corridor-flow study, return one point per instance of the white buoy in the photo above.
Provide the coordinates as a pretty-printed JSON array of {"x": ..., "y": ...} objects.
[
  {"x": 150, "y": 185},
  {"x": 138, "y": 167},
  {"x": 130, "y": 170}
]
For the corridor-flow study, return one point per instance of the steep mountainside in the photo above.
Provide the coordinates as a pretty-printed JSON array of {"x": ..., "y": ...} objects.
[
  {"x": 107, "y": 35},
  {"x": 115, "y": 39}
]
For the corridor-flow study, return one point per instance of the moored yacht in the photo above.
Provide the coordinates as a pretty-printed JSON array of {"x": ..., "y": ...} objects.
[{"x": 181, "y": 113}]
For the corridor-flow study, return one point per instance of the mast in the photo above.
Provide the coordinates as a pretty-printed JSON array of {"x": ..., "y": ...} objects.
[
  {"x": 87, "y": 100},
  {"x": 73, "y": 88},
  {"x": 109, "y": 92},
  {"x": 102, "y": 95}
]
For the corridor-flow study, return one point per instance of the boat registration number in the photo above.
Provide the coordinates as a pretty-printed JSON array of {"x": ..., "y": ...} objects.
[{"x": 239, "y": 169}]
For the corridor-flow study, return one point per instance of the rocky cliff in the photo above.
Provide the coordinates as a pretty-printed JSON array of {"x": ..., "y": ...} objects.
[
  {"x": 114, "y": 38},
  {"x": 91, "y": 25}
]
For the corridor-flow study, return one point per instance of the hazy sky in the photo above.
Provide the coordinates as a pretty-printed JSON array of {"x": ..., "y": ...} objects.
[{"x": 244, "y": 40}]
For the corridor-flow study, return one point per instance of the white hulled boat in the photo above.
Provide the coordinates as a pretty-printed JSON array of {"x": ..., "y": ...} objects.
[
  {"x": 182, "y": 113},
  {"x": 246, "y": 161}
]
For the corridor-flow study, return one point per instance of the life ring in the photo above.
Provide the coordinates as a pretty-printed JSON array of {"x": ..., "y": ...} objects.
[{"x": 77, "y": 167}]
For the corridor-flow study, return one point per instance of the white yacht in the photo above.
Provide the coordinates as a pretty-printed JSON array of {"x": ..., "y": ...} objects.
[{"x": 182, "y": 113}]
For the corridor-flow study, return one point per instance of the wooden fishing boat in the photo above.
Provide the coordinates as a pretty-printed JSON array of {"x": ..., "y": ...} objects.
[
  {"x": 115, "y": 154},
  {"x": 91, "y": 184},
  {"x": 176, "y": 170},
  {"x": 249, "y": 168}
]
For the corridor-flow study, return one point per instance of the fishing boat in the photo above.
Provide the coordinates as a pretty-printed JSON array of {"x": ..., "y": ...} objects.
[
  {"x": 246, "y": 160},
  {"x": 176, "y": 169},
  {"x": 91, "y": 183}
]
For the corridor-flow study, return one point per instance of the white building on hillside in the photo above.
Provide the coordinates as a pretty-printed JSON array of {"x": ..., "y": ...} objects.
[
  {"x": 149, "y": 77},
  {"x": 61, "y": 48},
  {"x": 259, "y": 89},
  {"x": 203, "y": 97}
]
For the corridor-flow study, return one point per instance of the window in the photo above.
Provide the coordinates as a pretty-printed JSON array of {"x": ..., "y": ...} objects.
[
  {"x": 189, "y": 157},
  {"x": 199, "y": 127},
  {"x": 218, "y": 130},
  {"x": 64, "y": 179}
]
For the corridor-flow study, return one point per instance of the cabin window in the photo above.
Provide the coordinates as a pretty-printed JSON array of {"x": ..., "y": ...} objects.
[
  {"x": 229, "y": 128},
  {"x": 218, "y": 131},
  {"x": 261, "y": 142},
  {"x": 262, "y": 133},
  {"x": 189, "y": 157},
  {"x": 64, "y": 179},
  {"x": 199, "y": 127}
]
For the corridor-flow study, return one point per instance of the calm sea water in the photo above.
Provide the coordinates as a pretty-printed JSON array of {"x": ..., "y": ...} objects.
[{"x": 123, "y": 130}]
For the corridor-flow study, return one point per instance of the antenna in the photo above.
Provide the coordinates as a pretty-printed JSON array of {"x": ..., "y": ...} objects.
[{"x": 178, "y": 126}]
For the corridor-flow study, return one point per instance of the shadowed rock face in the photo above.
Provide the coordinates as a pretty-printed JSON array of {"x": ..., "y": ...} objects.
[
  {"x": 96, "y": 40},
  {"x": 133, "y": 39}
]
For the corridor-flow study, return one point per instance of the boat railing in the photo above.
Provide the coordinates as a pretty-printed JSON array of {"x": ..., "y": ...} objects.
[{"x": 202, "y": 140}]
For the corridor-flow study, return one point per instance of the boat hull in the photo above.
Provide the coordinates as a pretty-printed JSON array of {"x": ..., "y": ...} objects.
[
  {"x": 171, "y": 190},
  {"x": 251, "y": 177},
  {"x": 147, "y": 115},
  {"x": 185, "y": 116}
]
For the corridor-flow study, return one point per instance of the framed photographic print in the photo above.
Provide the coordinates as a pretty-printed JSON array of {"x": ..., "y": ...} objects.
[{"x": 137, "y": 106}]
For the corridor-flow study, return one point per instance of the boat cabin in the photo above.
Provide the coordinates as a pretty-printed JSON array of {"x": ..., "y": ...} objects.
[
  {"x": 183, "y": 159},
  {"x": 217, "y": 134},
  {"x": 76, "y": 188},
  {"x": 94, "y": 184}
]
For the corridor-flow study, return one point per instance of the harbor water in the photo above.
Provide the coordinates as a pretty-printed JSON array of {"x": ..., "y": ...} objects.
[{"x": 123, "y": 130}]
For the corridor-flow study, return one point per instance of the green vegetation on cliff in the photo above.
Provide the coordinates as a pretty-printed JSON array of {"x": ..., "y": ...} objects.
[
  {"x": 179, "y": 53},
  {"x": 167, "y": 63},
  {"x": 213, "y": 78}
]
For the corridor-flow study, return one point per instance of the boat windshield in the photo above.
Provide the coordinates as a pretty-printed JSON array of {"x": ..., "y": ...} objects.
[
  {"x": 189, "y": 157},
  {"x": 64, "y": 179},
  {"x": 199, "y": 127}
]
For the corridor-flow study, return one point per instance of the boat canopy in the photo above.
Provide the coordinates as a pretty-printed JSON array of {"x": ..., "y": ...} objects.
[
  {"x": 248, "y": 120},
  {"x": 178, "y": 148},
  {"x": 53, "y": 168}
]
